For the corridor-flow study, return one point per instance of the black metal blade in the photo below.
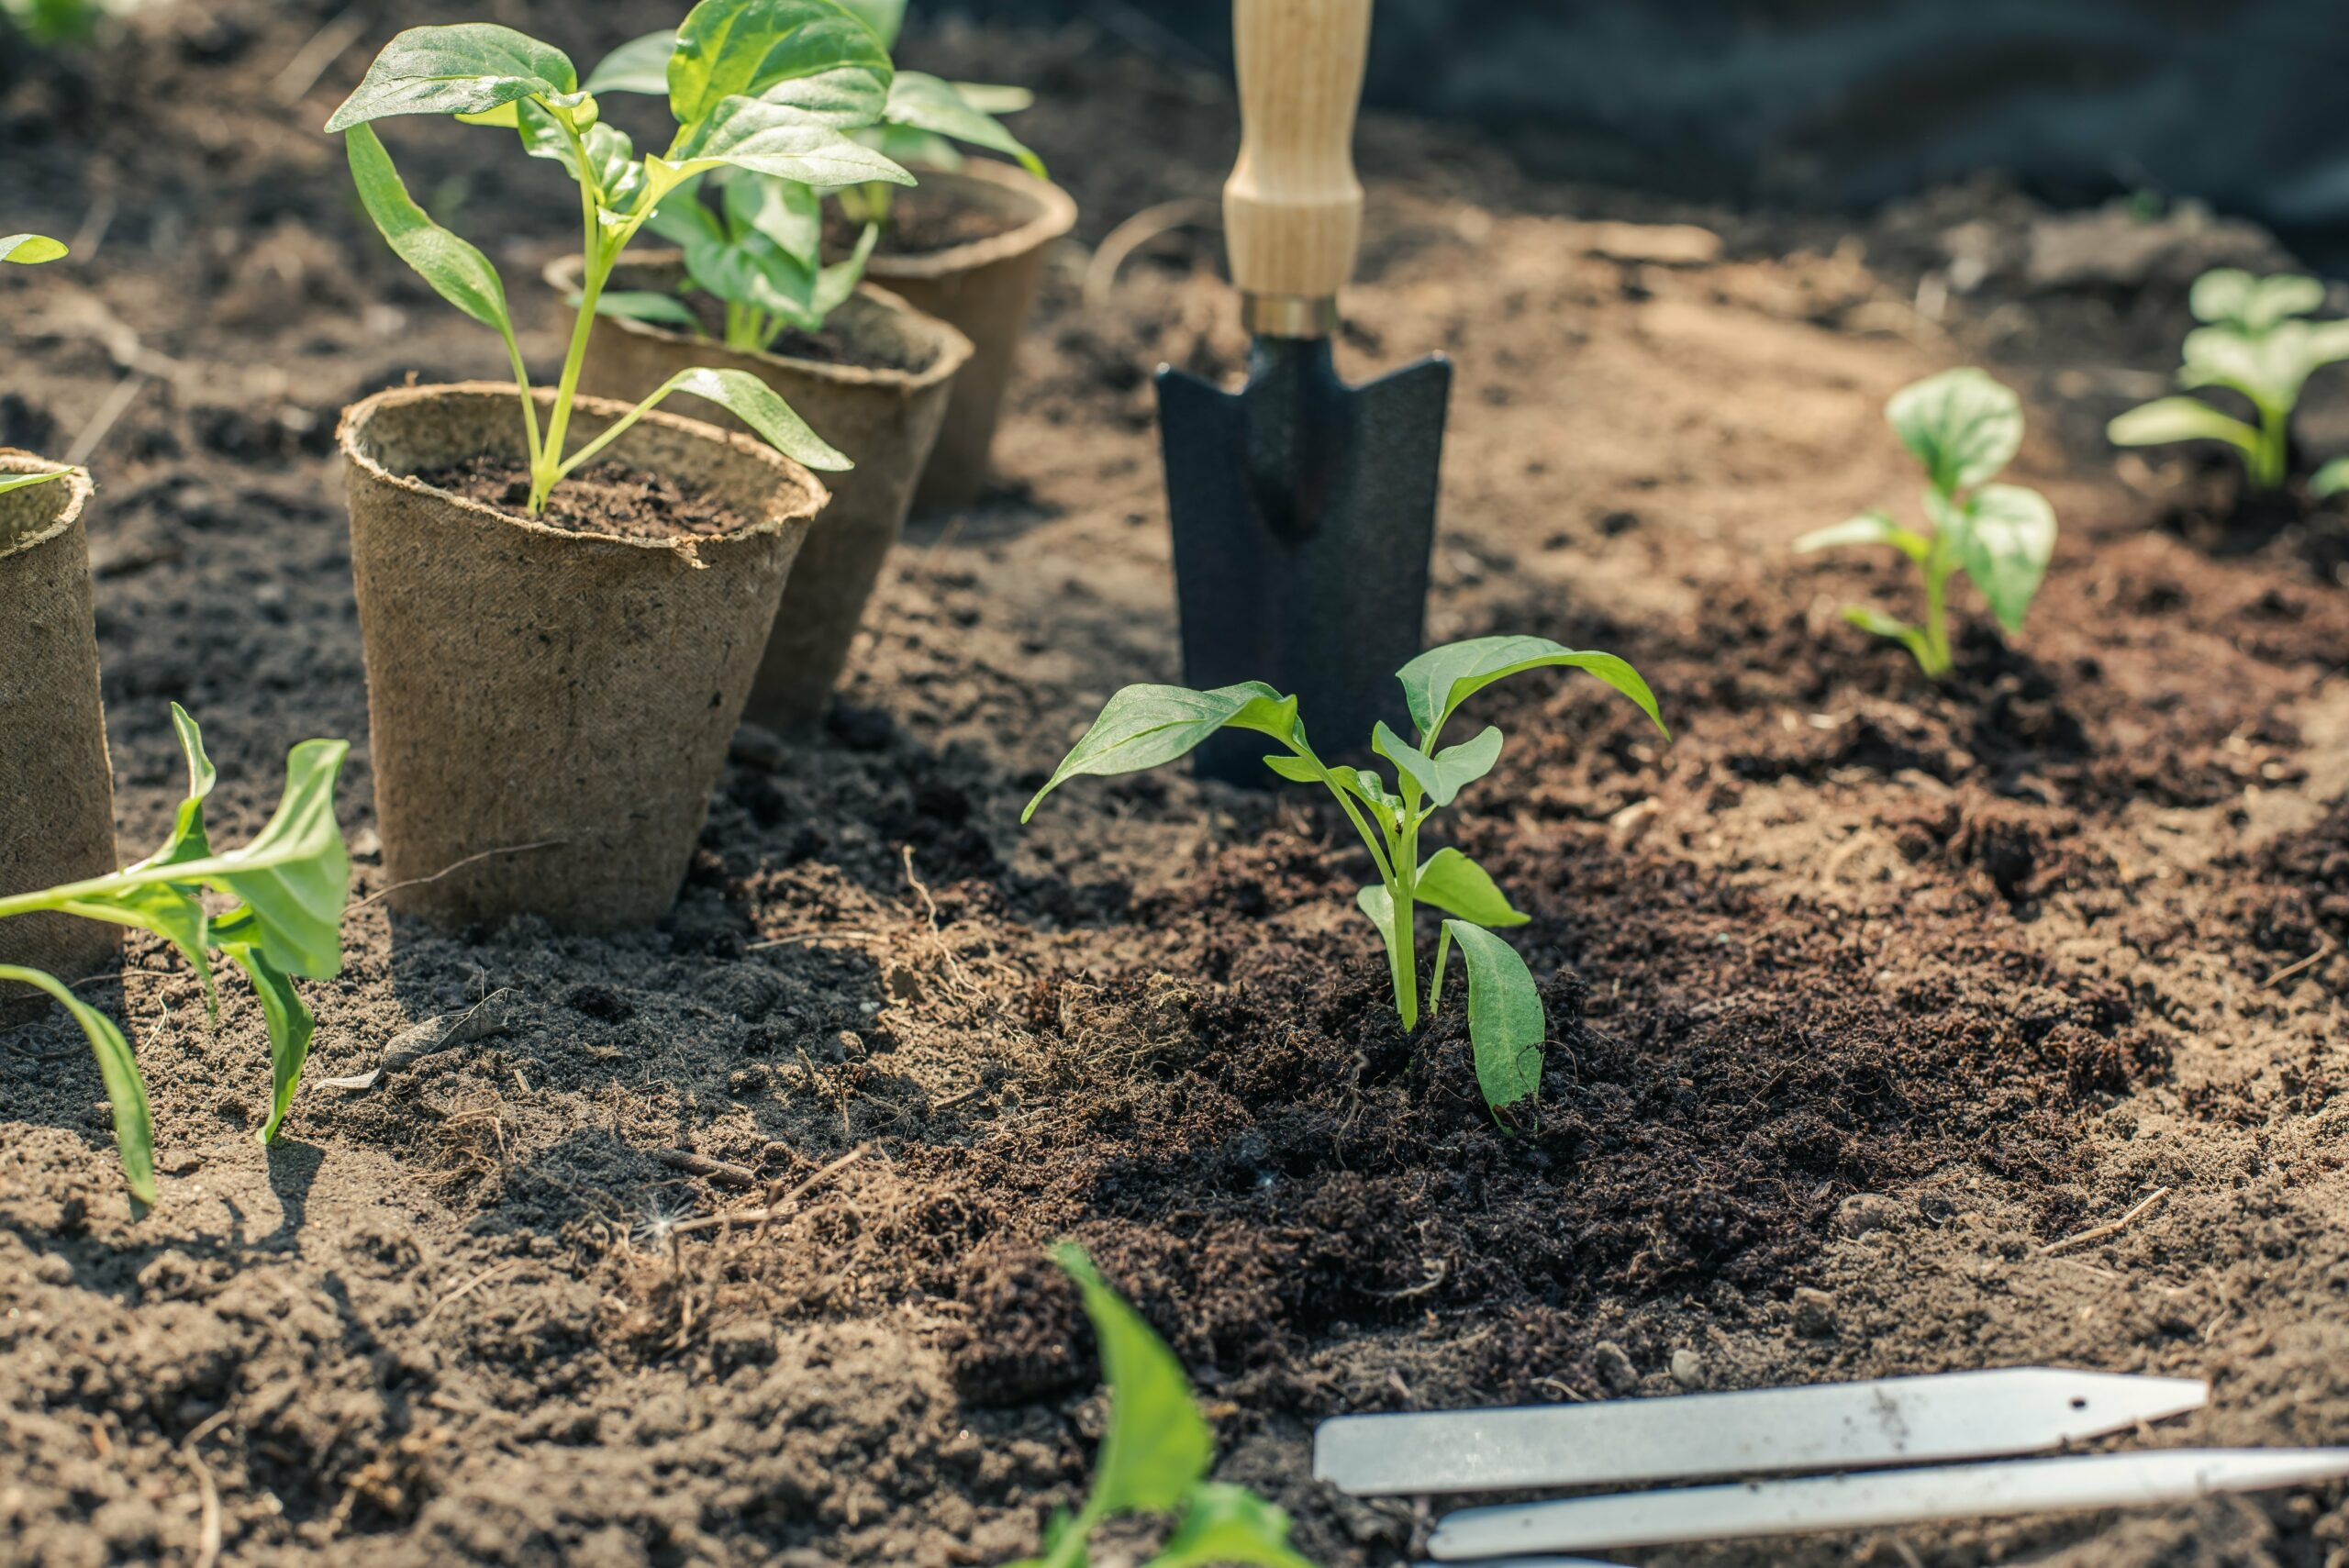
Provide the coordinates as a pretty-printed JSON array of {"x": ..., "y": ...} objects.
[{"x": 1304, "y": 515}]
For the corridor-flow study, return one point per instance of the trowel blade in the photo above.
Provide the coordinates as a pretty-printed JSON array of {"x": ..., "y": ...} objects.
[
  {"x": 1304, "y": 515},
  {"x": 1837, "y": 1426}
]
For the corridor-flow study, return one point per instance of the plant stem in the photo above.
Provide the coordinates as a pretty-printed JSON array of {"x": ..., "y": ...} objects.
[
  {"x": 1934, "y": 655},
  {"x": 546, "y": 463},
  {"x": 2272, "y": 461}
]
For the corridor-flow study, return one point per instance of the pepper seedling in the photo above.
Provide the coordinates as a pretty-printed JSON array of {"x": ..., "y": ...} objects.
[
  {"x": 928, "y": 115},
  {"x": 290, "y": 884},
  {"x": 26, "y": 249},
  {"x": 2253, "y": 341},
  {"x": 1145, "y": 726},
  {"x": 1965, "y": 427},
  {"x": 769, "y": 86},
  {"x": 1157, "y": 1452}
]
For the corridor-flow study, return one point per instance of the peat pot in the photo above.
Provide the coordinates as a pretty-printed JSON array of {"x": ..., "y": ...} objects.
[
  {"x": 547, "y": 710},
  {"x": 56, "y": 790},
  {"x": 880, "y": 400},
  {"x": 985, "y": 289}
]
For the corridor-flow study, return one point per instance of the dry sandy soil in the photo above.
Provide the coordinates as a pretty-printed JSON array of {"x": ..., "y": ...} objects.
[{"x": 1858, "y": 988}]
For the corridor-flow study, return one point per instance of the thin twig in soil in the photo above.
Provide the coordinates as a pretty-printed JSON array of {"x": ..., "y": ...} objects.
[
  {"x": 208, "y": 1529},
  {"x": 956, "y": 1102},
  {"x": 719, "y": 1171},
  {"x": 2308, "y": 963},
  {"x": 2152, "y": 1201},
  {"x": 802, "y": 939},
  {"x": 778, "y": 1207},
  {"x": 452, "y": 869},
  {"x": 466, "y": 1289}
]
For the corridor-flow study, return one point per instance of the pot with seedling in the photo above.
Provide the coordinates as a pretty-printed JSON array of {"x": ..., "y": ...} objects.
[
  {"x": 747, "y": 290},
  {"x": 1147, "y": 726},
  {"x": 565, "y": 598},
  {"x": 286, "y": 887},
  {"x": 1965, "y": 427},
  {"x": 56, "y": 789},
  {"x": 2255, "y": 342}
]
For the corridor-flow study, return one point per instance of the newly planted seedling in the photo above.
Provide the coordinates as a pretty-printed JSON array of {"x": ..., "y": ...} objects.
[
  {"x": 928, "y": 115},
  {"x": 2253, "y": 341},
  {"x": 289, "y": 885},
  {"x": 772, "y": 87},
  {"x": 1142, "y": 726},
  {"x": 1155, "y": 1454},
  {"x": 1965, "y": 427},
  {"x": 26, "y": 250}
]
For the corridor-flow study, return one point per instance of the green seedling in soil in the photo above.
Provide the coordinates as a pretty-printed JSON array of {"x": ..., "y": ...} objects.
[
  {"x": 1155, "y": 1454},
  {"x": 1143, "y": 727},
  {"x": 772, "y": 87},
  {"x": 289, "y": 885},
  {"x": 928, "y": 117},
  {"x": 1965, "y": 427},
  {"x": 26, "y": 250},
  {"x": 2254, "y": 342}
]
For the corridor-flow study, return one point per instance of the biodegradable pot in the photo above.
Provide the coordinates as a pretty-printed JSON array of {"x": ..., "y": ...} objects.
[
  {"x": 56, "y": 789},
  {"x": 882, "y": 407},
  {"x": 531, "y": 686},
  {"x": 985, "y": 289}
]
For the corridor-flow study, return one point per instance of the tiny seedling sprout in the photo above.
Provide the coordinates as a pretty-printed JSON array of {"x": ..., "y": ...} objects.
[
  {"x": 2253, "y": 341},
  {"x": 1965, "y": 427},
  {"x": 25, "y": 249},
  {"x": 1144, "y": 725},
  {"x": 1155, "y": 1454},
  {"x": 772, "y": 87},
  {"x": 290, "y": 884}
]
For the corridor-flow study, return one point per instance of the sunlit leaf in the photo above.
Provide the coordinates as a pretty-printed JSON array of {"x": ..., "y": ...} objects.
[
  {"x": 813, "y": 55},
  {"x": 27, "y": 249},
  {"x": 2004, "y": 538},
  {"x": 757, "y": 405},
  {"x": 1157, "y": 1445},
  {"x": 2167, "y": 420},
  {"x": 639, "y": 65},
  {"x": 923, "y": 102},
  {"x": 27, "y": 481},
  {"x": 1505, "y": 1028},
  {"x": 1224, "y": 1524},
  {"x": 1144, "y": 725},
  {"x": 788, "y": 143},
  {"x": 1443, "y": 776},
  {"x": 467, "y": 69},
  {"x": 1458, "y": 886},
  {"x": 1440, "y": 680},
  {"x": 134, "y": 1124},
  {"x": 288, "y": 1018},
  {"x": 457, "y": 271},
  {"x": 1963, "y": 426},
  {"x": 1868, "y": 528}
]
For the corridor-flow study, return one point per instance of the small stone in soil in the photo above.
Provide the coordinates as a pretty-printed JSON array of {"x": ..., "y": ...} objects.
[
  {"x": 1689, "y": 1370},
  {"x": 608, "y": 498},
  {"x": 1613, "y": 1368},
  {"x": 1814, "y": 1313}
]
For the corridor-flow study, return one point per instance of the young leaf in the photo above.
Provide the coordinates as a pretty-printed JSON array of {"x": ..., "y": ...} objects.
[
  {"x": 1868, "y": 528},
  {"x": 27, "y": 481},
  {"x": 1442, "y": 678},
  {"x": 1450, "y": 771},
  {"x": 2331, "y": 480},
  {"x": 134, "y": 1124},
  {"x": 27, "y": 249},
  {"x": 922, "y": 102},
  {"x": 1963, "y": 426},
  {"x": 1458, "y": 886},
  {"x": 295, "y": 874},
  {"x": 788, "y": 143},
  {"x": 885, "y": 18},
  {"x": 1144, "y": 725},
  {"x": 991, "y": 98},
  {"x": 783, "y": 211},
  {"x": 1505, "y": 1028},
  {"x": 1377, "y": 904},
  {"x": 1900, "y": 631},
  {"x": 756, "y": 403},
  {"x": 1157, "y": 1446},
  {"x": 468, "y": 69},
  {"x": 639, "y": 65},
  {"x": 838, "y": 281},
  {"x": 610, "y": 168},
  {"x": 812, "y": 55},
  {"x": 1224, "y": 1524},
  {"x": 2167, "y": 420},
  {"x": 287, "y": 1016},
  {"x": 457, "y": 271},
  {"x": 639, "y": 305},
  {"x": 2006, "y": 536},
  {"x": 2230, "y": 297}
]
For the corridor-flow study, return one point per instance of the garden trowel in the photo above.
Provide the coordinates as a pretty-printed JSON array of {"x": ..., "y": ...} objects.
[{"x": 1303, "y": 508}]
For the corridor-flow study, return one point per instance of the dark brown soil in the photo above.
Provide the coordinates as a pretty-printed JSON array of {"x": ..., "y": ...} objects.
[
  {"x": 921, "y": 223},
  {"x": 1860, "y": 987},
  {"x": 608, "y": 498}
]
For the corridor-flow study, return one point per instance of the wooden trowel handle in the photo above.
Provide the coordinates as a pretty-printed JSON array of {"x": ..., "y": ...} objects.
[{"x": 1292, "y": 209}]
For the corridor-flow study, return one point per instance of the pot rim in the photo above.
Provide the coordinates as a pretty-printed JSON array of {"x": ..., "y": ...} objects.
[
  {"x": 1055, "y": 216},
  {"x": 806, "y": 506},
  {"x": 952, "y": 349},
  {"x": 78, "y": 486}
]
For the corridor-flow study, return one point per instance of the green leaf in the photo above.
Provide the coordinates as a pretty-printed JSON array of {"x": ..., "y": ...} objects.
[
  {"x": 644, "y": 304},
  {"x": 1440, "y": 680},
  {"x": 789, "y": 143},
  {"x": 2332, "y": 479},
  {"x": 639, "y": 65},
  {"x": 922, "y": 102},
  {"x": 2167, "y": 420},
  {"x": 27, "y": 249},
  {"x": 1963, "y": 426},
  {"x": 1875, "y": 621},
  {"x": 295, "y": 874},
  {"x": 1505, "y": 1023},
  {"x": 991, "y": 98},
  {"x": 1144, "y": 725},
  {"x": 1458, "y": 886},
  {"x": 757, "y": 405},
  {"x": 27, "y": 481},
  {"x": 1443, "y": 776},
  {"x": 1158, "y": 1445},
  {"x": 1378, "y": 903},
  {"x": 468, "y": 69},
  {"x": 838, "y": 281},
  {"x": 885, "y": 18},
  {"x": 2230, "y": 297},
  {"x": 611, "y": 169},
  {"x": 813, "y": 55},
  {"x": 457, "y": 271},
  {"x": 1868, "y": 528},
  {"x": 289, "y": 1020},
  {"x": 134, "y": 1124},
  {"x": 1225, "y": 1524},
  {"x": 2004, "y": 538},
  {"x": 785, "y": 211}
]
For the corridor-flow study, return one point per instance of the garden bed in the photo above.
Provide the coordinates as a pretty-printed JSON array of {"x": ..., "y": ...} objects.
[{"x": 1861, "y": 993}]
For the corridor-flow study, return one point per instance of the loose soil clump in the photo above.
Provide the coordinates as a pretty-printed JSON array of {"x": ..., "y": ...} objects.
[{"x": 607, "y": 498}]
